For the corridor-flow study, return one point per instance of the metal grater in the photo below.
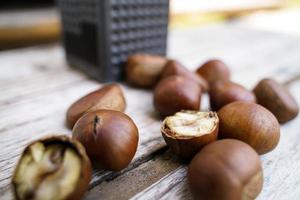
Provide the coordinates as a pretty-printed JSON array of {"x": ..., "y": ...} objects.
[{"x": 99, "y": 35}]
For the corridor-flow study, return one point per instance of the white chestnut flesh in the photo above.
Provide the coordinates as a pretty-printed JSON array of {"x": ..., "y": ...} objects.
[
  {"x": 187, "y": 132},
  {"x": 192, "y": 124},
  {"x": 51, "y": 171}
]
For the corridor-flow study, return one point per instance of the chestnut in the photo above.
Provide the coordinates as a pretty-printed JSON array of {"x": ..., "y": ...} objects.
[
  {"x": 222, "y": 93},
  {"x": 250, "y": 123},
  {"x": 277, "y": 99},
  {"x": 52, "y": 168},
  {"x": 143, "y": 70},
  {"x": 110, "y": 97},
  {"x": 176, "y": 93},
  {"x": 109, "y": 137},
  {"x": 214, "y": 70},
  {"x": 187, "y": 132},
  {"x": 226, "y": 170},
  {"x": 174, "y": 67}
]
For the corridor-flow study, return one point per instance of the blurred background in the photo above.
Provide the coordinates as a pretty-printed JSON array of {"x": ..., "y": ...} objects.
[{"x": 31, "y": 22}]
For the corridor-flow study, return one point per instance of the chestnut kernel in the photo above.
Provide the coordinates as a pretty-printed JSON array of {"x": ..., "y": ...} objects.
[
  {"x": 226, "y": 170},
  {"x": 222, "y": 93},
  {"x": 187, "y": 132},
  {"x": 109, "y": 97},
  {"x": 52, "y": 168},
  {"x": 110, "y": 138},
  {"x": 277, "y": 99},
  {"x": 174, "y": 67},
  {"x": 176, "y": 93},
  {"x": 214, "y": 70},
  {"x": 250, "y": 123},
  {"x": 143, "y": 70}
]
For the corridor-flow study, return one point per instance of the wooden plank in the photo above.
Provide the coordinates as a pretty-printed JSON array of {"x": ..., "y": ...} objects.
[
  {"x": 38, "y": 108},
  {"x": 248, "y": 52},
  {"x": 281, "y": 169},
  {"x": 135, "y": 180}
]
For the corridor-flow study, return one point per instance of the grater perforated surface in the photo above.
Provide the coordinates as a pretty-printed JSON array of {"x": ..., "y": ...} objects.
[{"x": 100, "y": 34}]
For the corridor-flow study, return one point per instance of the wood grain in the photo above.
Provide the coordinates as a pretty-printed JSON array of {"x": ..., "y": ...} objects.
[{"x": 37, "y": 87}]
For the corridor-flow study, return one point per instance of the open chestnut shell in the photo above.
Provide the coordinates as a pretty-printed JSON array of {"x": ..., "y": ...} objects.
[
  {"x": 225, "y": 92},
  {"x": 226, "y": 170},
  {"x": 250, "y": 123},
  {"x": 187, "y": 132},
  {"x": 277, "y": 99},
  {"x": 176, "y": 93},
  {"x": 52, "y": 168},
  {"x": 110, "y": 138},
  {"x": 109, "y": 97},
  {"x": 174, "y": 67}
]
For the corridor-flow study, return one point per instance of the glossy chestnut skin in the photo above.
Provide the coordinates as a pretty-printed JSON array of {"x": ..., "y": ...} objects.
[
  {"x": 250, "y": 123},
  {"x": 144, "y": 70},
  {"x": 226, "y": 170},
  {"x": 110, "y": 138},
  {"x": 174, "y": 67},
  {"x": 187, "y": 146},
  {"x": 277, "y": 99},
  {"x": 176, "y": 93},
  {"x": 85, "y": 166},
  {"x": 222, "y": 93},
  {"x": 214, "y": 70},
  {"x": 109, "y": 96}
]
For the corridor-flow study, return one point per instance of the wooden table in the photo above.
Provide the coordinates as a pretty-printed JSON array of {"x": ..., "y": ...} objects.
[{"x": 37, "y": 87}]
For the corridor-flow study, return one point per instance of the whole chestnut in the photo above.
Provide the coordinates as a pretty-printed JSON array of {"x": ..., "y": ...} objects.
[
  {"x": 214, "y": 70},
  {"x": 226, "y": 170},
  {"x": 187, "y": 132},
  {"x": 277, "y": 99},
  {"x": 225, "y": 92},
  {"x": 176, "y": 93},
  {"x": 143, "y": 70},
  {"x": 110, "y": 97},
  {"x": 174, "y": 67},
  {"x": 52, "y": 168},
  {"x": 250, "y": 123},
  {"x": 109, "y": 137}
]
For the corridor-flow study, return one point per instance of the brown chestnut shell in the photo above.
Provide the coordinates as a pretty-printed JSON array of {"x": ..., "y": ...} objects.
[
  {"x": 214, "y": 70},
  {"x": 277, "y": 99},
  {"x": 110, "y": 138},
  {"x": 226, "y": 170},
  {"x": 224, "y": 92},
  {"x": 250, "y": 123},
  {"x": 186, "y": 146},
  {"x": 176, "y": 93},
  {"x": 174, "y": 67},
  {"x": 144, "y": 70},
  {"x": 109, "y": 96},
  {"x": 65, "y": 142}
]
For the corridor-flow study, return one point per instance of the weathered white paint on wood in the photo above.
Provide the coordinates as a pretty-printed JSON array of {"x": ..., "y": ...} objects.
[{"x": 37, "y": 87}]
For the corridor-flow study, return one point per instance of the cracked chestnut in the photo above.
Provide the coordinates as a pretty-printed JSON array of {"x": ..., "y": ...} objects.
[
  {"x": 187, "y": 132},
  {"x": 109, "y": 97},
  {"x": 226, "y": 170},
  {"x": 277, "y": 99},
  {"x": 174, "y": 67},
  {"x": 250, "y": 123},
  {"x": 222, "y": 93},
  {"x": 52, "y": 168},
  {"x": 214, "y": 70},
  {"x": 109, "y": 137},
  {"x": 176, "y": 93}
]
